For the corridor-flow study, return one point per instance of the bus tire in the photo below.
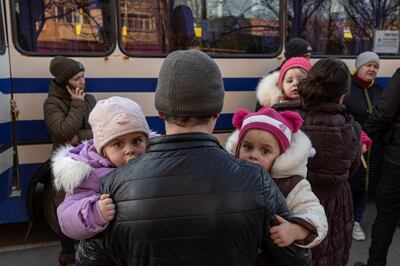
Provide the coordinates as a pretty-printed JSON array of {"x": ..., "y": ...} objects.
[
  {"x": 51, "y": 199},
  {"x": 40, "y": 176}
]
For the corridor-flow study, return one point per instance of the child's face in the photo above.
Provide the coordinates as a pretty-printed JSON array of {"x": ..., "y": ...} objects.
[
  {"x": 290, "y": 81},
  {"x": 120, "y": 150},
  {"x": 259, "y": 147},
  {"x": 77, "y": 81}
]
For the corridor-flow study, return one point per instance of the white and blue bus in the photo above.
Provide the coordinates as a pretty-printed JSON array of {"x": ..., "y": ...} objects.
[{"x": 123, "y": 43}]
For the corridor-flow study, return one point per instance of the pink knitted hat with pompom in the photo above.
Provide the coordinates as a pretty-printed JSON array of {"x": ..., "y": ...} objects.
[
  {"x": 281, "y": 125},
  {"x": 295, "y": 62}
]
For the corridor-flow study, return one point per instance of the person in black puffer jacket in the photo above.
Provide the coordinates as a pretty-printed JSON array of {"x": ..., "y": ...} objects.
[{"x": 186, "y": 201}]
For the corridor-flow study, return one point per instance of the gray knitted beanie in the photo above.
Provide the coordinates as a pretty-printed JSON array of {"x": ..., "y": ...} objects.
[
  {"x": 189, "y": 85},
  {"x": 365, "y": 58},
  {"x": 64, "y": 68}
]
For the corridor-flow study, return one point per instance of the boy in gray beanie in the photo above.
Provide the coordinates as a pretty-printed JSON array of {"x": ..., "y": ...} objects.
[
  {"x": 189, "y": 85},
  {"x": 187, "y": 201}
]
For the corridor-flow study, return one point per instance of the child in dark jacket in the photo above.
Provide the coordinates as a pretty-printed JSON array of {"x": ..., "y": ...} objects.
[{"x": 336, "y": 138}]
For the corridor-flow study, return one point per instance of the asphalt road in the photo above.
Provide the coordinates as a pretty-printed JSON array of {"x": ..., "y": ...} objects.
[{"x": 36, "y": 253}]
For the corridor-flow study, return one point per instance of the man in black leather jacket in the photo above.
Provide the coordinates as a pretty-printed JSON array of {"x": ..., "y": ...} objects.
[{"x": 186, "y": 201}]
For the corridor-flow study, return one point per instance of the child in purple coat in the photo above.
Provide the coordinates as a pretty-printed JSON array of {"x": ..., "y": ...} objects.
[{"x": 120, "y": 133}]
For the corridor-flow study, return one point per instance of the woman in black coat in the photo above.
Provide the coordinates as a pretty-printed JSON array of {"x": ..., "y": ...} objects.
[{"x": 364, "y": 94}]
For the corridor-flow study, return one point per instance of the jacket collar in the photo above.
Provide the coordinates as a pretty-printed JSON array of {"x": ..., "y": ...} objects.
[
  {"x": 292, "y": 105},
  {"x": 57, "y": 91},
  {"x": 360, "y": 82},
  {"x": 332, "y": 108},
  {"x": 294, "y": 160},
  {"x": 183, "y": 141}
]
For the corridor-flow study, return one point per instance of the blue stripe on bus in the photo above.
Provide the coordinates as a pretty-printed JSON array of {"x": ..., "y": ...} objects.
[
  {"x": 5, "y": 85},
  {"x": 31, "y": 130},
  {"x": 13, "y": 210},
  {"x": 383, "y": 81},
  {"x": 5, "y": 133},
  {"x": 41, "y": 85},
  {"x": 5, "y": 184},
  {"x": 18, "y": 203}
]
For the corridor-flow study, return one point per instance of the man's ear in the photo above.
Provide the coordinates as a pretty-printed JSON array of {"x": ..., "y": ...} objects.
[{"x": 161, "y": 115}]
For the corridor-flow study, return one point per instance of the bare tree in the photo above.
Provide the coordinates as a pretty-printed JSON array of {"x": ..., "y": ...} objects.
[
  {"x": 302, "y": 11},
  {"x": 369, "y": 15}
]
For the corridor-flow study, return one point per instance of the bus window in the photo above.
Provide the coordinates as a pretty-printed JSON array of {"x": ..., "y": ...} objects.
[
  {"x": 346, "y": 27},
  {"x": 2, "y": 34},
  {"x": 63, "y": 27},
  {"x": 230, "y": 27},
  {"x": 143, "y": 26}
]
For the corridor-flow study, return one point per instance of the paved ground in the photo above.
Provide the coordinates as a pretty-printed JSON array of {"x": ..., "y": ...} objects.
[
  {"x": 44, "y": 253},
  {"x": 359, "y": 249}
]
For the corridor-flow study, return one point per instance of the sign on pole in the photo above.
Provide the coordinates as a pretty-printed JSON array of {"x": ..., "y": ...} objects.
[{"x": 386, "y": 41}]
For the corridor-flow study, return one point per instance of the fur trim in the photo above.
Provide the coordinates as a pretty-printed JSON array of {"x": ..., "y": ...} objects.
[
  {"x": 68, "y": 173},
  {"x": 294, "y": 160},
  {"x": 231, "y": 142},
  {"x": 268, "y": 92}
]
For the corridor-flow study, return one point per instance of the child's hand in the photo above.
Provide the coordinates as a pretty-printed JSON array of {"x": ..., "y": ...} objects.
[
  {"x": 364, "y": 148},
  {"x": 286, "y": 233},
  {"x": 107, "y": 207}
]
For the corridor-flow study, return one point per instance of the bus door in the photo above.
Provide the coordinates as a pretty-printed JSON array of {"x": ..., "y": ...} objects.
[{"x": 9, "y": 184}]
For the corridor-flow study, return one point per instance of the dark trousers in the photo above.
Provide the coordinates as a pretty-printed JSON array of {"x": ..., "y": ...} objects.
[
  {"x": 360, "y": 198},
  {"x": 388, "y": 213},
  {"x": 67, "y": 244}
]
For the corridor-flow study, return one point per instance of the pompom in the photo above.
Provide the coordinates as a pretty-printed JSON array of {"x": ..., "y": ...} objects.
[
  {"x": 311, "y": 152},
  {"x": 238, "y": 117},
  {"x": 294, "y": 118}
]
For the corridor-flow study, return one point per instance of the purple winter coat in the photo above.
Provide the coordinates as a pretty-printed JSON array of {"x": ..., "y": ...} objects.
[{"x": 78, "y": 171}]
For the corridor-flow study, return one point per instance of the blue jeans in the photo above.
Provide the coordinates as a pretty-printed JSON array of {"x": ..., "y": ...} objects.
[{"x": 360, "y": 198}]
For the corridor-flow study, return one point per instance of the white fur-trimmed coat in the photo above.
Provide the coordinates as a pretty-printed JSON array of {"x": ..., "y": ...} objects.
[
  {"x": 301, "y": 201},
  {"x": 267, "y": 90}
]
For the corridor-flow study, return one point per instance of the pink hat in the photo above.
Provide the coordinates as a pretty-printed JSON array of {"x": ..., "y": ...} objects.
[
  {"x": 281, "y": 125},
  {"x": 114, "y": 117},
  {"x": 295, "y": 62}
]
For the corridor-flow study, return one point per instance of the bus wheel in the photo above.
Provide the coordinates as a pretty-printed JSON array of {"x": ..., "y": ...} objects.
[{"x": 51, "y": 199}]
